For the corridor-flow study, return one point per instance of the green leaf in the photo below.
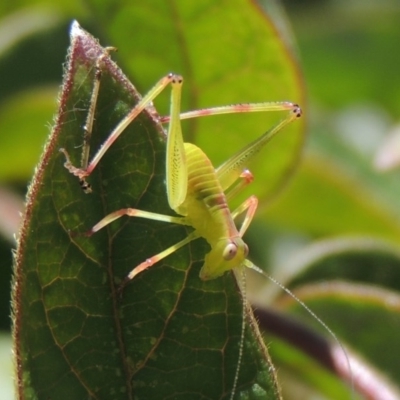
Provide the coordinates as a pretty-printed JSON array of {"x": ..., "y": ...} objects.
[
  {"x": 169, "y": 334},
  {"x": 353, "y": 284},
  {"x": 36, "y": 106},
  {"x": 368, "y": 35},
  {"x": 359, "y": 315},
  {"x": 340, "y": 203},
  {"x": 6, "y": 368}
]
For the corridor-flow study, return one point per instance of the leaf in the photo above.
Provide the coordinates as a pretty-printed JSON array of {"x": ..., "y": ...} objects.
[
  {"x": 327, "y": 51},
  {"x": 354, "y": 284},
  {"x": 341, "y": 203},
  {"x": 6, "y": 366},
  {"x": 36, "y": 106},
  {"x": 170, "y": 335},
  {"x": 359, "y": 314},
  {"x": 300, "y": 351},
  {"x": 31, "y": 58}
]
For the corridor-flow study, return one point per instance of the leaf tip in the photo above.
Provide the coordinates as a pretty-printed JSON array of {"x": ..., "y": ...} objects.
[{"x": 76, "y": 29}]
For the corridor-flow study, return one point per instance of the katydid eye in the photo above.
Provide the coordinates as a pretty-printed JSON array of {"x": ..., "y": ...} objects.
[
  {"x": 229, "y": 252},
  {"x": 246, "y": 250}
]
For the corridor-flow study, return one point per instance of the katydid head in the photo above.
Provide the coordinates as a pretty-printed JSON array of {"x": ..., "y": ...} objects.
[{"x": 226, "y": 254}]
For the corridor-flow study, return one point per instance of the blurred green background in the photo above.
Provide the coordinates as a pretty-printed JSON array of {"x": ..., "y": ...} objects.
[{"x": 349, "y": 55}]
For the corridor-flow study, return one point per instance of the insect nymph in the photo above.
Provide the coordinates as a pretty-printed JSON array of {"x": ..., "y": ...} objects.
[{"x": 196, "y": 191}]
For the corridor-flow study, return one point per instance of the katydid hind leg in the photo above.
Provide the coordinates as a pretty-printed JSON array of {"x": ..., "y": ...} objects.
[
  {"x": 234, "y": 109},
  {"x": 244, "y": 179},
  {"x": 231, "y": 169},
  {"x": 250, "y": 206},
  {"x": 87, "y": 168},
  {"x": 124, "y": 123}
]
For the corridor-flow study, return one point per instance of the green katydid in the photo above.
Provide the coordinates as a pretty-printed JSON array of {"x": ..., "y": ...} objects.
[{"x": 196, "y": 191}]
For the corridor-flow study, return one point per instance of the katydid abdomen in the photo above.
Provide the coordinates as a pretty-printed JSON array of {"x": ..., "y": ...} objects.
[{"x": 207, "y": 210}]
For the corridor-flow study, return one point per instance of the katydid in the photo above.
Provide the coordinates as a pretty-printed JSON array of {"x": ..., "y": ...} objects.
[{"x": 196, "y": 191}]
